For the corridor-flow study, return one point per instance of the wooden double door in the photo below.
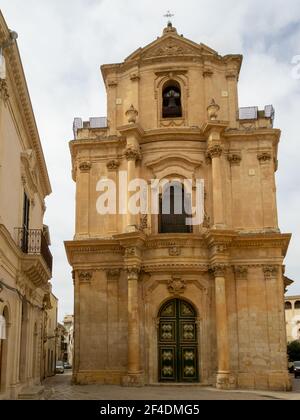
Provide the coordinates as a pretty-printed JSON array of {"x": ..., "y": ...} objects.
[{"x": 178, "y": 343}]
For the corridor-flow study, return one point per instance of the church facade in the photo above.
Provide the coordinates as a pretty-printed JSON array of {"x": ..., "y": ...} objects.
[{"x": 157, "y": 300}]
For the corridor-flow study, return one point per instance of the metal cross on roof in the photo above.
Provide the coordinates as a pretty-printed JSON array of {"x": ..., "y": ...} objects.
[{"x": 169, "y": 15}]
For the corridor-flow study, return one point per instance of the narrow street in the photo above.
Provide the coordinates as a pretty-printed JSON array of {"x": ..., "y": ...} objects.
[{"x": 59, "y": 388}]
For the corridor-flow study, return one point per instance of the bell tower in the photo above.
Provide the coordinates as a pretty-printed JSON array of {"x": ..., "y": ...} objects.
[{"x": 156, "y": 299}]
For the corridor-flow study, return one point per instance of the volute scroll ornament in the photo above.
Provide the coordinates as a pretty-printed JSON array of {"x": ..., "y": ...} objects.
[{"x": 113, "y": 165}]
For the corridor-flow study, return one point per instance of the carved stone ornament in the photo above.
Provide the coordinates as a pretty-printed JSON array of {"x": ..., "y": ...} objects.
[
  {"x": 85, "y": 276},
  {"x": 132, "y": 115},
  {"x": 113, "y": 274},
  {"x": 113, "y": 165},
  {"x": 214, "y": 152},
  {"x": 219, "y": 270},
  {"x": 176, "y": 285},
  {"x": 174, "y": 251},
  {"x": 143, "y": 222},
  {"x": 264, "y": 157},
  {"x": 132, "y": 154},
  {"x": 169, "y": 48},
  {"x": 212, "y": 110},
  {"x": 234, "y": 159},
  {"x": 241, "y": 271},
  {"x": 4, "y": 90},
  {"x": 270, "y": 271},
  {"x": 130, "y": 252},
  {"x": 85, "y": 166},
  {"x": 133, "y": 273}
]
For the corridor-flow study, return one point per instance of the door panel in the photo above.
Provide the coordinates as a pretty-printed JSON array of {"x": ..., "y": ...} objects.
[{"x": 177, "y": 342}]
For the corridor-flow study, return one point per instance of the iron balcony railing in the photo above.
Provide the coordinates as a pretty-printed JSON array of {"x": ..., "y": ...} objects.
[{"x": 33, "y": 242}]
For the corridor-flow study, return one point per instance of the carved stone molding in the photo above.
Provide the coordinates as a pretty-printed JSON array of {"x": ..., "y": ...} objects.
[
  {"x": 174, "y": 251},
  {"x": 133, "y": 273},
  {"x": 113, "y": 274},
  {"x": 218, "y": 270},
  {"x": 85, "y": 276},
  {"x": 113, "y": 165},
  {"x": 241, "y": 271},
  {"x": 143, "y": 222},
  {"x": 270, "y": 271},
  {"x": 264, "y": 157},
  {"x": 4, "y": 90},
  {"x": 234, "y": 159},
  {"x": 132, "y": 154},
  {"x": 176, "y": 285},
  {"x": 85, "y": 166}
]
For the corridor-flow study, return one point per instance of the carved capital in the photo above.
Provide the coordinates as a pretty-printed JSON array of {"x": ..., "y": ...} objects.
[
  {"x": 218, "y": 270},
  {"x": 113, "y": 274},
  {"x": 85, "y": 166},
  {"x": 113, "y": 165},
  {"x": 132, "y": 154},
  {"x": 4, "y": 90},
  {"x": 270, "y": 271},
  {"x": 234, "y": 159},
  {"x": 241, "y": 271},
  {"x": 214, "y": 152},
  {"x": 264, "y": 157},
  {"x": 133, "y": 273},
  {"x": 207, "y": 72},
  {"x": 176, "y": 285},
  {"x": 85, "y": 276}
]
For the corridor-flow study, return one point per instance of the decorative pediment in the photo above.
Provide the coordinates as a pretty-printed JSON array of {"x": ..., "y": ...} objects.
[{"x": 171, "y": 44}]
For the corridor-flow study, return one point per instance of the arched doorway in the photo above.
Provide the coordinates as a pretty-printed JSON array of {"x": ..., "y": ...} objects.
[{"x": 177, "y": 343}]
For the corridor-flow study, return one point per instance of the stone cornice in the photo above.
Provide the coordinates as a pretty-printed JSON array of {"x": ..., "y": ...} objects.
[{"x": 21, "y": 94}]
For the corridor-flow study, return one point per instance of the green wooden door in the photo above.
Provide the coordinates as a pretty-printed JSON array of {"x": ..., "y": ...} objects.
[{"x": 177, "y": 343}]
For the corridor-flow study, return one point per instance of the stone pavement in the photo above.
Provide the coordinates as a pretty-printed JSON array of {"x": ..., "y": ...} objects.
[{"x": 59, "y": 388}]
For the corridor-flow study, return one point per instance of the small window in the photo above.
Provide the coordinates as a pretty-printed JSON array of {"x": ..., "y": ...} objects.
[
  {"x": 172, "y": 107},
  {"x": 288, "y": 306},
  {"x": 297, "y": 304}
]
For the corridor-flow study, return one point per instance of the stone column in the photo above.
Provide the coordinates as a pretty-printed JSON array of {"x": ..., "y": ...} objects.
[
  {"x": 3, "y": 100},
  {"x": 132, "y": 155},
  {"x": 215, "y": 153},
  {"x": 113, "y": 276},
  {"x": 76, "y": 356},
  {"x": 135, "y": 374},
  {"x": 236, "y": 188},
  {"x": 223, "y": 374},
  {"x": 82, "y": 199},
  {"x": 113, "y": 169},
  {"x": 232, "y": 77},
  {"x": 268, "y": 191}
]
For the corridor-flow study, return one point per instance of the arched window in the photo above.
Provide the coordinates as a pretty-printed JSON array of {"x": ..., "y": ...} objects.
[
  {"x": 174, "y": 208},
  {"x": 288, "y": 306},
  {"x": 172, "y": 107},
  {"x": 297, "y": 304}
]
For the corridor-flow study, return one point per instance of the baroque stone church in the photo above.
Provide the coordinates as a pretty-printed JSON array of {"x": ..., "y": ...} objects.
[{"x": 156, "y": 300}]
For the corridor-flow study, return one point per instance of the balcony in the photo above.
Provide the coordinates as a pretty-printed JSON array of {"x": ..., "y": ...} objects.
[{"x": 33, "y": 242}]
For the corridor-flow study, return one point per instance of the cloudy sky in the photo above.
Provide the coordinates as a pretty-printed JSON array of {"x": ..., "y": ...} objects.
[{"x": 64, "y": 42}]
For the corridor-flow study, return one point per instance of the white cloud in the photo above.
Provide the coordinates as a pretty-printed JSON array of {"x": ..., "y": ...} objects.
[{"x": 63, "y": 44}]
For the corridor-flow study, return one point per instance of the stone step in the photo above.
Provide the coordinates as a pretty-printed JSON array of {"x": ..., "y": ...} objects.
[{"x": 32, "y": 393}]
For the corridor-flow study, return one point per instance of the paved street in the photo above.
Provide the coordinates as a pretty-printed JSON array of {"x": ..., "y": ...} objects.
[{"x": 60, "y": 388}]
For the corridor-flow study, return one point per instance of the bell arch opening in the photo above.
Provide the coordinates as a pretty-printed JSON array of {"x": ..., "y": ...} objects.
[{"x": 171, "y": 100}]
